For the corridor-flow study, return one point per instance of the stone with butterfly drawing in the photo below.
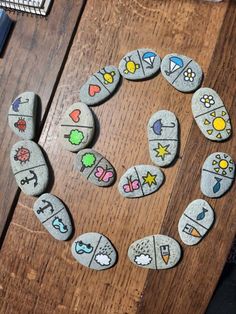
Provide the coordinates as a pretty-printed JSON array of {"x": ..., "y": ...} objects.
[{"x": 95, "y": 168}]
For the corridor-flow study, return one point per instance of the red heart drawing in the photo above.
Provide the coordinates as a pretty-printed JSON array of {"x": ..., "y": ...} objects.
[
  {"x": 75, "y": 115},
  {"x": 94, "y": 89}
]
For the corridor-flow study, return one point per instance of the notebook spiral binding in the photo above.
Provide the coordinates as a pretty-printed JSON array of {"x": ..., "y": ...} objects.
[{"x": 22, "y": 7}]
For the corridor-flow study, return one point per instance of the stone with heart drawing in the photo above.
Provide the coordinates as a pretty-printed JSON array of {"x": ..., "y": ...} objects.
[
  {"x": 95, "y": 168},
  {"x": 100, "y": 86},
  {"x": 77, "y": 127}
]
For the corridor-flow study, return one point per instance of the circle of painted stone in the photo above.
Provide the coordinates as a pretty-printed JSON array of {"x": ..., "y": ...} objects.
[{"x": 94, "y": 250}]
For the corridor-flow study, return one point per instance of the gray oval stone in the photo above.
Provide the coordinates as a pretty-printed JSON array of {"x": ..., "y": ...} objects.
[
  {"x": 155, "y": 252},
  {"x": 29, "y": 167},
  {"x": 140, "y": 180},
  {"x": 195, "y": 222},
  {"x": 52, "y": 213},
  {"x": 22, "y": 115},
  {"x": 94, "y": 250},
  {"x": 210, "y": 114},
  {"x": 181, "y": 72},
  {"x": 218, "y": 173},
  {"x": 100, "y": 86},
  {"x": 163, "y": 137},
  {"x": 76, "y": 127},
  {"x": 95, "y": 168},
  {"x": 139, "y": 64}
]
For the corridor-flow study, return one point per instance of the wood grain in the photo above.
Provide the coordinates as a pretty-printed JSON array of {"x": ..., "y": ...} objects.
[
  {"x": 33, "y": 59},
  {"x": 42, "y": 271}
]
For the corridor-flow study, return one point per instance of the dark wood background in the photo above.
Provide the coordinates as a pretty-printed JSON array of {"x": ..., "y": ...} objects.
[{"x": 53, "y": 57}]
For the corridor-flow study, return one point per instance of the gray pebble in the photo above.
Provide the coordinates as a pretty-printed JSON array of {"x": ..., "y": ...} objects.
[
  {"x": 181, "y": 72},
  {"x": 139, "y": 64},
  {"x": 29, "y": 167},
  {"x": 100, "y": 86},
  {"x": 76, "y": 127},
  {"x": 52, "y": 213},
  {"x": 195, "y": 222},
  {"x": 163, "y": 137},
  {"x": 210, "y": 114},
  {"x": 140, "y": 180},
  {"x": 22, "y": 115},
  {"x": 95, "y": 168},
  {"x": 94, "y": 250},
  {"x": 217, "y": 174},
  {"x": 155, "y": 252}
]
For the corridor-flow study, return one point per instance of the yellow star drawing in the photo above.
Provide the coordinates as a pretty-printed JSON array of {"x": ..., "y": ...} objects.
[
  {"x": 149, "y": 179},
  {"x": 162, "y": 151}
]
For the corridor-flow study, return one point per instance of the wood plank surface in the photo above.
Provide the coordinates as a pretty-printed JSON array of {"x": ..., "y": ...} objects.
[
  {"x": 32, "y": 60},
  {"x": 40, "y": 270}
]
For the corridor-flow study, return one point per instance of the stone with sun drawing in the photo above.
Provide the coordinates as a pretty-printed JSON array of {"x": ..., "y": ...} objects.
[{"x": 211, "y": 115}]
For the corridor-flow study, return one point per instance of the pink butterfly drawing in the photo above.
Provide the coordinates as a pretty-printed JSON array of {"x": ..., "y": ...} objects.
[
  {"x": 103, "y": 174},
  {"x": 131, "y": 186}
]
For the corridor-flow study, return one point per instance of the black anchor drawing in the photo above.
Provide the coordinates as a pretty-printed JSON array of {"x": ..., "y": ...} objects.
[
  {"x": 27, "y": 180},
  {"x": 47, "y": 206}
]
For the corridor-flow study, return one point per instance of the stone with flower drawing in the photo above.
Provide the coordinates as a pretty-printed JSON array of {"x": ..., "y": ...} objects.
[
  {"x": 94, "y": 250},
  {"x": 211, "y": 115},
  {"x": 182, "y": 72}
]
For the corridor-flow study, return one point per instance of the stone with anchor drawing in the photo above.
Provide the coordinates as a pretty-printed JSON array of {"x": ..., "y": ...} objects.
[
  {"x": 29, "y": 167},
  {"x": 100, "y": 86},
  {"x": 52, "y": 213},
  {"x": 139, "y": 64}
]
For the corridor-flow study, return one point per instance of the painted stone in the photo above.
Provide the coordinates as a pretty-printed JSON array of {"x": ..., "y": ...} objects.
[
  {"x": 76, "y": 127},
  {"x": 155, "y": 252},
  {"x": 100, "y": 86},
  {"x": 95, "y": 168},
  {"x": 211, "y": 115},
  {"x": 218, "y": 173},
  {"x": 195, "y": 222},
  {"x": 22, "y": 115},
  {"x": 94, "y": 250},
  {"x": 139, "y": 64},
  {"x": 181, "y": 72},
  {"x": 52, "y": 213},
  {"x": 140, "y": 180},
  {"x": 29, "y": 167},
  {"x": 163, "y": 137}
]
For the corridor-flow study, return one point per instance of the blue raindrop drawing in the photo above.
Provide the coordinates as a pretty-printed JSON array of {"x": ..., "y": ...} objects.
[
  {"x": 202, "y": 214},
  {"x": 175, "y": 63},
  {"x": 217, "y": 186},
  {"x": 158, "y": 126},
  {"x": 149, "y": 58}
]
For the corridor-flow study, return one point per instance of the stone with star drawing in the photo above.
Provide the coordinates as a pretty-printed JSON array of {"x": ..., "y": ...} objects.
[
  {"x": 211, "y": 115},
  {"x": 140, "y": 180},
  {"x": 163, "y": 137}
]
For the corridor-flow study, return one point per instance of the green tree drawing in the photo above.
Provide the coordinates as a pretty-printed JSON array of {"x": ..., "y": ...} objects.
[
  {"x": 75, "y": 137},
  {"x": 88, "y": 160}
]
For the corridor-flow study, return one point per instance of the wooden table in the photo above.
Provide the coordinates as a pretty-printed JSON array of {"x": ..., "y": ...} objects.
[{"x": 54, "y": 57}]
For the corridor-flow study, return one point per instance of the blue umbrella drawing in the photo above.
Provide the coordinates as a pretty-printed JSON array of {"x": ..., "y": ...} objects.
[
  {"x": 158, "y": 126},
  {"x": 149, "y": 58},
  {"x": 175, "y": 63}
]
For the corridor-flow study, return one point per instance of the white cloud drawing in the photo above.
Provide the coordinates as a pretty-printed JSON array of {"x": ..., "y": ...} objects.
[
  {"x": 103, "y": 259},
  {"x": 143, "y": 259}
]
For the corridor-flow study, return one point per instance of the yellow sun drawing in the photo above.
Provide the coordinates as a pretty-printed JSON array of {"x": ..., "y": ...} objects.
[
  {"x": 149, "y": 179},
  {"x": 218, "y": 124},
  {"x": 222, "y": 164},
  {"x": 162, "y": 151}
]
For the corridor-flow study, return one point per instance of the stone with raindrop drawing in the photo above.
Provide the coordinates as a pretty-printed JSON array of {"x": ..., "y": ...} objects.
[
  {"x": 140, "y": 180},
  {"x": 155, "y": 252},
  {"x": 195, "y": 222},
  {"x": 22, "y": 115},
  {"x": 139, "y": 64},
  {"x": 181, "y": 72},
  {"x": 211, "y": 115},
  {"x": 218, "y": 173},
  {"x": 163, "y": 137},
  {"x": 53, "y": 214},
  {"x": 95, "y": 168},
  {"x": 29, "y": 167},
  {"x": 100, "y": 86},
  {"x": 94, "y": 250},
  {"x": 76, "y": 127}
]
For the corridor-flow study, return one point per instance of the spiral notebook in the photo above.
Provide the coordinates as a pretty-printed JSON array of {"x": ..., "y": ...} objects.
[
  {"x": 40, "y": 7},
  {"x": 5, "y": 25}
]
